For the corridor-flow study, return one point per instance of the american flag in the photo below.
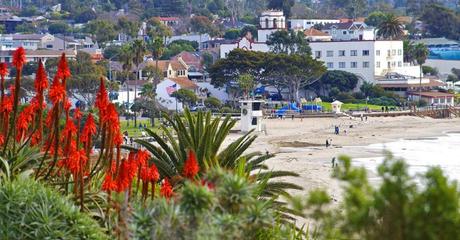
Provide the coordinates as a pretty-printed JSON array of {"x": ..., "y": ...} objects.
[{"x": 171, "y": 89}]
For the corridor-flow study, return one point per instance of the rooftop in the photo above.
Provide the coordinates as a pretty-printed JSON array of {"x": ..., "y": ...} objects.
[
  {"x": 314, "y": 32},
  {"x": 432, "y": 94}
]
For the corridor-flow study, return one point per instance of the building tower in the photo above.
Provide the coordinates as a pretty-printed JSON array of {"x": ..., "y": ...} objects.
[{"x": 270, "y": 22}]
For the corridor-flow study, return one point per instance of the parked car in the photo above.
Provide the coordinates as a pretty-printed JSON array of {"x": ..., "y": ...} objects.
[{"x": 197, "y": 107}]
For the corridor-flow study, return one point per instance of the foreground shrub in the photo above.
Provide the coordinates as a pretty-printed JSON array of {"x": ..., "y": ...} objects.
[
  {"x": 222, "y": 206},
  {"x": 400, "y": 207},
  {"x": 29, "y": 210}
]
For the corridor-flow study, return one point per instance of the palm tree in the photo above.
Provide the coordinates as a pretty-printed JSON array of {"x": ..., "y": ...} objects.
[
  {"x": 390, "y": 28},
  {"x": 205, "y": 136},
  {"x": 420, "y": 54},
  {"x": 157, "y": 48},
  {"x": 139, "y": 50},
  {"x": 126, "y": 58},
  {"x": 408, "y": 49}
]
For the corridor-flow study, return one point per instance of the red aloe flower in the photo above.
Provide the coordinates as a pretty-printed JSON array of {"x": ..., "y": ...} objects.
[
  {"x": 41, "y": 79},
  {"x": 7, "y": 105},
  {"x": 77, "y": 160},
  {"x": 191, "y": 166},
  {"x": 89, "y": 129},
  {"x": 56, "y": 92},
  {"x": 24, "y": 119},
  {"x": 125, "y": 176},
  {"x": 154, "y": 175},
  {"x": 77, "y": 114},
  {"x": 142, "y": 157},
  {"x": 2, "y": 139},
  {"x": 109, "y": 184},
  {"x": 69, "y": 128},
  {"x": 102, "y": 97},
  {"x": 166, "y": 189},
  {"x": 19, "y": 57},
  {"x": 63, "y": 71},
  {"x": 3, "y": 69}
]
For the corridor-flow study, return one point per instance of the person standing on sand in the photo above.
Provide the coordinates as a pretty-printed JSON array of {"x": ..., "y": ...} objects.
[
  {"x": 327, "y": 143},
  {"x": 333, "y": 162}
]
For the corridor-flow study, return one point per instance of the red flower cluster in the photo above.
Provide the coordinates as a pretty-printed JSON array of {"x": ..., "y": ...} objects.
[
  {"x": 166, "y": 189},
  {"x": 41, "y": 79},
  {"x": 25, "y": 118},
  {"x": 19, "y": 58},
  {"x": 3, "y": 69},
  {"x": 63, "y": 71},
  {"x": 191, "y": 167},
  {"x": 57, "y": 91}
]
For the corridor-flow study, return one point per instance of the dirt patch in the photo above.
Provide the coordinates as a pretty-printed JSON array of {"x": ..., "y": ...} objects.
[{"x": 298, "y": 144}]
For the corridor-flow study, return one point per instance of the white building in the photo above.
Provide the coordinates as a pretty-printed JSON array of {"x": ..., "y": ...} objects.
[
  {"x": 270, "y": 22},
  {"x": 348, "y": 46},
  {"x": 366, "y": 59},
  {"x": 346, "y": 31},
  {"x": 27, "y": 41},
  {"x": 304, "y": 24},
  {"x": 243, "y": 43}
]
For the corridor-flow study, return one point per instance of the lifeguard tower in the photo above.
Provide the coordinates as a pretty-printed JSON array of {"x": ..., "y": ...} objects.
[
  {"x": 336, "y": 106},
  {"x": 251, "y": 115}
]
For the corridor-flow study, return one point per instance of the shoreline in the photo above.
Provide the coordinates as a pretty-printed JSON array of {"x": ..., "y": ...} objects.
[{"x": 299, "y": 145}]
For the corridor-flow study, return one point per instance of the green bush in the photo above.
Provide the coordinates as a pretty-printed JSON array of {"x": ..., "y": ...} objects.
[
  {"x": 223, "y": 206},
  {"x": 399, "y": 207},
  {"x": 29, "y": 210}
]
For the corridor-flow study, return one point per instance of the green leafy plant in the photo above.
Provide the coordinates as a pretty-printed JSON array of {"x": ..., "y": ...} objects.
[
  {"x": 29, "y": 210},
  {"x": 398, "y": 208}
]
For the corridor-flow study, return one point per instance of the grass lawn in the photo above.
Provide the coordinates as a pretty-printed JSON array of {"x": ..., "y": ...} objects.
[
  {"x": 135, "y": 131},
  {"x": 351, "y": 106}
]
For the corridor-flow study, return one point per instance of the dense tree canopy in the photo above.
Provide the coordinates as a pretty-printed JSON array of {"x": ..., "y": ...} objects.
[
  {"x": 441, "y": 22},
  {"x": 288, "y": 42}
]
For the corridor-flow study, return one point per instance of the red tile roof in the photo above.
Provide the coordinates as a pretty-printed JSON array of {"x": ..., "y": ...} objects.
[
  {"x": 184, "y": 82},
  {"x": 314, "y": 32}
]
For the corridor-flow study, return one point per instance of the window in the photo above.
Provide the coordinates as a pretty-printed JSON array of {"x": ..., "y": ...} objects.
[
  {"x": 7, "y": 59},
  {"x": 393, "y": 52},
  {"x": 353, "y": 53},
  {"x": 341, "y": 53},
  {"x": 365, "y": 52},
  {"x": 399, "y": 64},
  {"x": 389, "y": 53},
  {"x": 49, "y": 46},
  {"x": 330, "y": 53},
  {"x": 377, "y": 52},
  {"x": 317, "y": 54},
  {"x": 344, "y": 32},
  {"x": 351, "y": 32},
  {"x": 353, "y": 64},
  {"x": 341, "y": 64},
  {"x": 365, "y": 64},
  {"x": 330, "y": 65},
  {"x": 399, "y": 52},
  {"x": 393, "y": 64},
  {"x": 377, "y": 64},
  {"x": 389, "y": 65}
]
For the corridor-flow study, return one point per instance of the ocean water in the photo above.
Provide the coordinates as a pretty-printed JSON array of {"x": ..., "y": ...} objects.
[
  {"x": 446, "y": 54},
  {"x": 420, "y": 154}
]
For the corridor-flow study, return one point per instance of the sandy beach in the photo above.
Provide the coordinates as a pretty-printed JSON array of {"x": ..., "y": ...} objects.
[{"x": 299, "y": 145}]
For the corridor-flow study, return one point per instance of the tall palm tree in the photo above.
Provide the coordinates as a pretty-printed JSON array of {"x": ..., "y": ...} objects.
[
  {"x": 139, "y": 50},
  {"x": 420, "y": 54},
  {"x": 157, "y": 48},
  {"x": 390, "y": 28},
  {"x": 408, "y": 49},
  {"x": 126, "y": 58}
]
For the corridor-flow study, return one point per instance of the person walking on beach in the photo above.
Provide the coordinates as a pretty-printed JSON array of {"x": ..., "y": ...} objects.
[
  {"x": 327, "y": 143},
  {"x": 333, "y": 162}
]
